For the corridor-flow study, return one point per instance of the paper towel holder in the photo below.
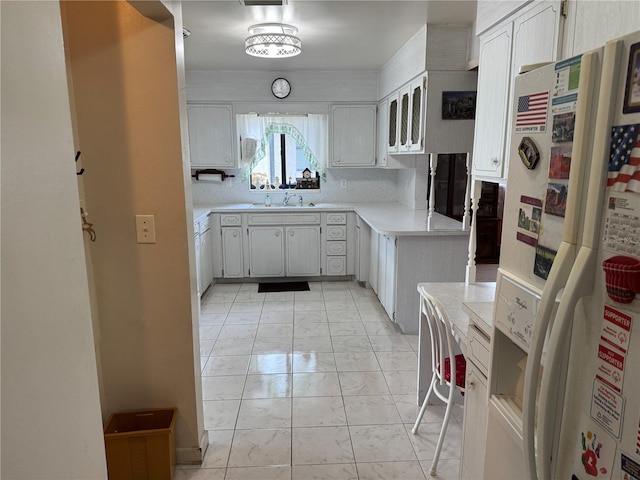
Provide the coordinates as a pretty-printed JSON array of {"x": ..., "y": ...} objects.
[{"x": 210, "y": 171}]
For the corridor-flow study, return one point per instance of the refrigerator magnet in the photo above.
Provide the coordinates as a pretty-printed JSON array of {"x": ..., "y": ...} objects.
[{"x": 529, "y": 153}]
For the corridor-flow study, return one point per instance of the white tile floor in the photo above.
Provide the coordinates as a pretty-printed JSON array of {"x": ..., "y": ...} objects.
[{"x": 312, "y": 385}]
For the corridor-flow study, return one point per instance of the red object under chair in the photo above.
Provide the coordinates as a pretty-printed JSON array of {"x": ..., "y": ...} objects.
[{"x": 461, "y": 370}]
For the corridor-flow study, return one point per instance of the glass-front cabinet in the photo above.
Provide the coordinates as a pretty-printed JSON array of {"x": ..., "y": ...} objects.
[{"x": 406, "y": 118}]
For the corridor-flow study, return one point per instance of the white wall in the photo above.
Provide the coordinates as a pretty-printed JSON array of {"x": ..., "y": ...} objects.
[
  {"x": 126, "y": 99},
  {"x": 51, "y": 424}
]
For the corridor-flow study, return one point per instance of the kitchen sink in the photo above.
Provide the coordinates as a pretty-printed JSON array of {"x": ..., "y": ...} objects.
[{"x": 279, "y": 206}]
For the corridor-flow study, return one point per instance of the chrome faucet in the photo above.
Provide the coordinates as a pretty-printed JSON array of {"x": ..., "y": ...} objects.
[{"x": 287, "y": 197}]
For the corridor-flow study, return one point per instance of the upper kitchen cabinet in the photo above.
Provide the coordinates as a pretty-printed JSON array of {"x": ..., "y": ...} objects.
[
  {"x": 353, "y": 135},
  {"x": 531, "y": 35},
  {"x": 409, "y": 135},
  {"x": 211, "y": 136}
]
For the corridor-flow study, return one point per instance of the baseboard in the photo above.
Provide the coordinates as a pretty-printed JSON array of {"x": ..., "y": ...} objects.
[{"x": 193, "y": 455}]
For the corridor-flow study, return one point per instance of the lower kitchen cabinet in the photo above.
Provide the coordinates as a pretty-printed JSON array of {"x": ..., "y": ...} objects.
[
  {"x": 387, "y": 273},
  {"x": 206, "y": 259},
  {"x": 266, "y": 252},
  {"x": 232, "y": 261},
  {"x": 302, "y": 250},
  {"x": 204, "y": 254},
  {"x": 397, "y": 263},
  {"x": 475, "y": 423}
]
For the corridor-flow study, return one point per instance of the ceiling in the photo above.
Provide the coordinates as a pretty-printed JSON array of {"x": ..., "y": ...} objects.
[{"x": 336, "y": 35}]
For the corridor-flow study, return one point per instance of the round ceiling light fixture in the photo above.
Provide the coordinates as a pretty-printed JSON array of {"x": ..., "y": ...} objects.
[{"x": 273, "y": 40}]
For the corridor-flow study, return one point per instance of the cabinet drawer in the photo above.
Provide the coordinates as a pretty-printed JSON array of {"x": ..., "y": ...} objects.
[
  {"x": 336, "y": 265},
  {"x": 479, "y": 348},
  {"x": 284, "y": 218},
  {"x": 337, "y": 248},
  {"x": 336, "y": 218},
  {"x": 336, "y": 232},
  {"x": 226, "y": 220}
]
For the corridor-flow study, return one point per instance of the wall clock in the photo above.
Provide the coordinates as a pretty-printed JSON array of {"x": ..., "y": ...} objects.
[{"x": 281, "y": 88}]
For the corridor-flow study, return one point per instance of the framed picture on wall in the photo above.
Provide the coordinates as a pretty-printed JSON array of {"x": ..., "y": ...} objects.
[
  {"x": 458, "y": 105},
  {"x": 632, "y": 88}
]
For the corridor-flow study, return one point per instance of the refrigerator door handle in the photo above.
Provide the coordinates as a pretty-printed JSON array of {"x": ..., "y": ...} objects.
[
  {"x": 557, "y": 279},
  {"x": 579, "y": 284}
]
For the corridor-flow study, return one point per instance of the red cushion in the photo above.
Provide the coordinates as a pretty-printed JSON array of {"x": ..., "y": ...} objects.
[{"x": 461, "y": 370}]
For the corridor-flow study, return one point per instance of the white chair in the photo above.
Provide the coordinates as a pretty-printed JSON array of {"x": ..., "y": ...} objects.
[{"x": 445, "y": 365}]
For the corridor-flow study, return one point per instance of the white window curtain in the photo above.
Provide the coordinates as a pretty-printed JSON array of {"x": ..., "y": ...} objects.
[{"x": 309, "y": 131}]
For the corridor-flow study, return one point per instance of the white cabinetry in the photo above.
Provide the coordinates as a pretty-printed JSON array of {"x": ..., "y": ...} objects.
[
  {"x": 232, "y": 263},
  {"x": 532, "y": 35},
  {"x": 336, "y": 243},
  {"x": 303, "y": 250},
  {"x": 284, "y": 245},
  {"x": 204, "y": 254},
  {"x": 353, "y": 135},
  {"x": 266, "y": 252},
  {"x": 493, "y": 101},
  {"x": 476, "y": 405},
  {"x": 387, "y": 273},
  {"x": 397, "y": 263},
  {"x": 475, "y": 423},
  {"x": 405, "y": 118},
  {"x": 211, "y": 136}
]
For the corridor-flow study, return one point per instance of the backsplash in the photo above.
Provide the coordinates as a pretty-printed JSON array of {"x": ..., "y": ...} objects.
[{"x": 363, "y": 185}]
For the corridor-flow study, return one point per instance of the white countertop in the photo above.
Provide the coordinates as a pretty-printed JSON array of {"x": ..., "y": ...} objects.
[
  {"x": 384, "y": 218},
  {"x": 454, "y": 295}
]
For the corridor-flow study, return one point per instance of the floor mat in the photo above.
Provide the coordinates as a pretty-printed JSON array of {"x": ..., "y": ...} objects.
[{"x": 283, "y": 287}]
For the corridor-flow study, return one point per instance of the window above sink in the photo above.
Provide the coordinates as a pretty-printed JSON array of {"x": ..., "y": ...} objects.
[{"x": 283, "y": 152}]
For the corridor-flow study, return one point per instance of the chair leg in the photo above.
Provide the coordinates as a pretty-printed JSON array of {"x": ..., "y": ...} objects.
[
  {"x": 443, "y": 431},
  {"x": 423, "y": 408}
]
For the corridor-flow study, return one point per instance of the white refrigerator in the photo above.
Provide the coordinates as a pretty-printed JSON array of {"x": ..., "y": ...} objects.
[{"x": 564, "y": 385}]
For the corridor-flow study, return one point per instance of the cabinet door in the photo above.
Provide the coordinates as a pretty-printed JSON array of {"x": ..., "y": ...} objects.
[
  {"x": 266, "y": 252},
  {"x": 405, "y": 118},
  {"x": 475, "y": 424},
  {"x": 536, "y": 39},
  {"x": 353, "y": 134},
  {"x": 198, "y": 266},
  {"x": 392, "y": 125},
  {"x": 211, "y": 137},
  {"x": 232, "y": 263},
  {"x": 206, "y": 259},
  {"x": 303, "y": 250},
  {"x": 416, "y": 120},
  {"x": 387, "y": 273},
  {"x": 493, "y": 101},
  {"x": 381, "y": 149},
  {"x": 373, "y": 263}
]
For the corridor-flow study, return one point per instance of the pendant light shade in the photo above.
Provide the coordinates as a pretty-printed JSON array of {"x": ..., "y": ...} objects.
[{"x": 273, "y": 40}]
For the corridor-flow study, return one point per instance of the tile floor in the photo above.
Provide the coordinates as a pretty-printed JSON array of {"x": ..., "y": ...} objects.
[{"x": 312, "y": 385}]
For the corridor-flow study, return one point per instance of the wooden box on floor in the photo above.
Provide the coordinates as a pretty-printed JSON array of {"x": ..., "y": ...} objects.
[{"x": 141, "y": 444}]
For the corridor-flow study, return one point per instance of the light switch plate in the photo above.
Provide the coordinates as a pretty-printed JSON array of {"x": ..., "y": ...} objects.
[{"x": 146, "y": 228}]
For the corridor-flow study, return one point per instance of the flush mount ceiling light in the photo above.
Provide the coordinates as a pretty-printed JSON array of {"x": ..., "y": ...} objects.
[{"x": 273, "y": 40}]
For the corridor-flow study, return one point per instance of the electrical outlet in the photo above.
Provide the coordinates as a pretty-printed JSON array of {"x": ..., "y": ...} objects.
[
  {"x": 343, "y": 183},
  {"x": 146, "y": 228}
]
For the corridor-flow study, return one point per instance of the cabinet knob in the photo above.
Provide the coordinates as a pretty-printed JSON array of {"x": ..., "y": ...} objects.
[
  {"x": 495, "y": 161},
  {"x": 277, "y": 234},
  {"x": 470, "y": 384},
  {"x": 337, "y": 160},
  {"x": 235, "y": 234},
  {"x": 291, "y": 233}
]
